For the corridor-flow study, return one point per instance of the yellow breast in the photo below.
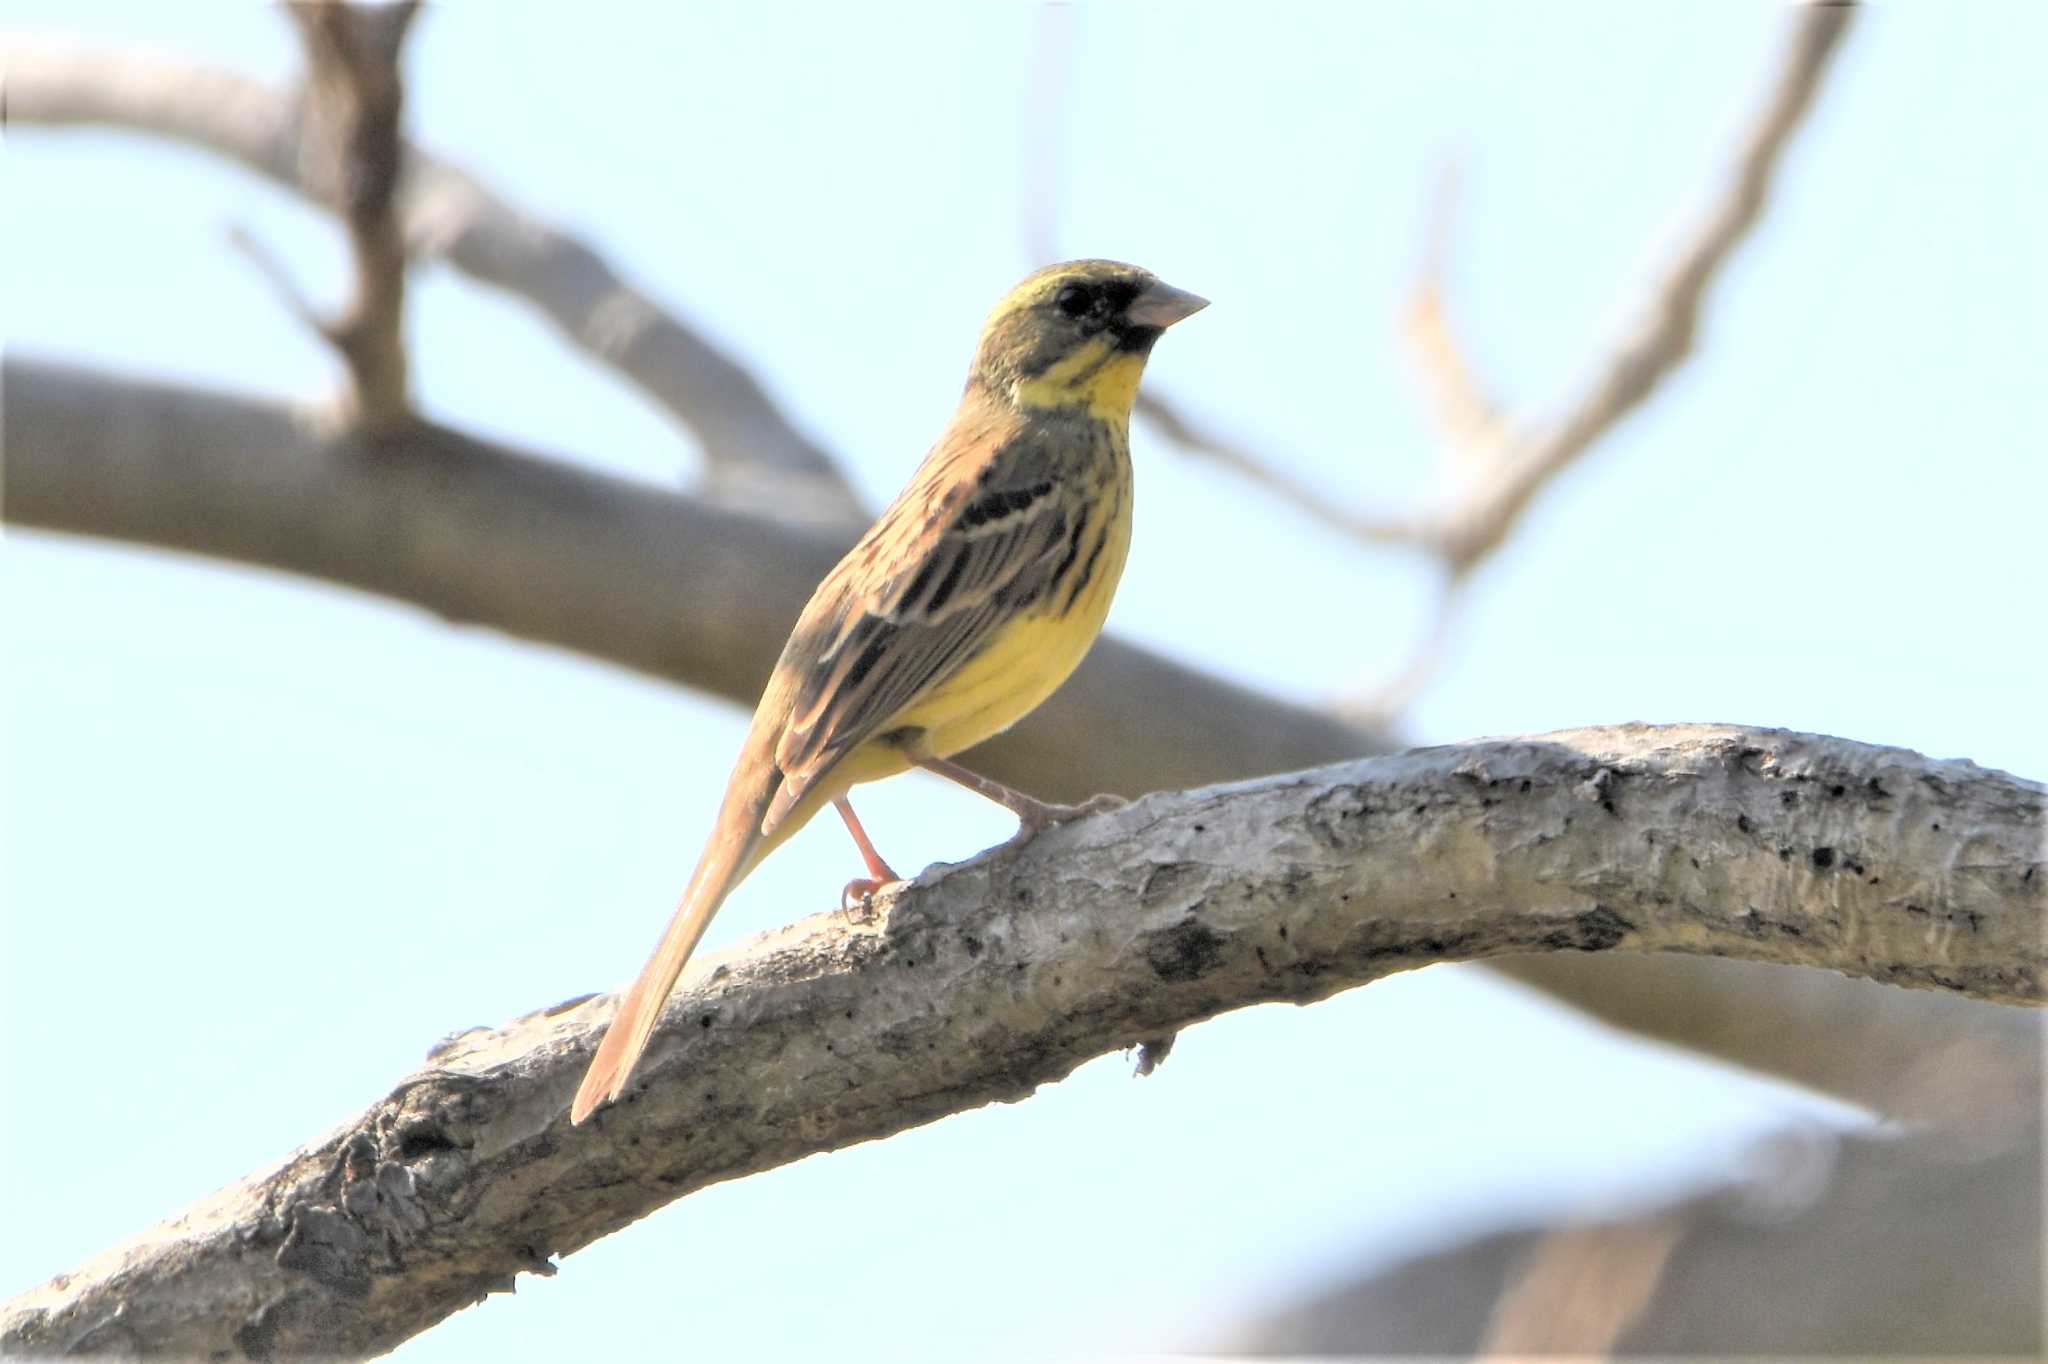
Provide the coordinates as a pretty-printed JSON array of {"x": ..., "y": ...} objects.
[{"x": 1028, "y": 658}]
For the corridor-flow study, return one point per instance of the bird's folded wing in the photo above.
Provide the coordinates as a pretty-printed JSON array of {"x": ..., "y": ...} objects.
[{"x": 951, "y": 583}]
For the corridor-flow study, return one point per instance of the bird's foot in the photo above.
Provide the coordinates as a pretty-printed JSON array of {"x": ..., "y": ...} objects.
[
  {"x": 1034, "y": 817},
  {"x": 857, "y": 900}
]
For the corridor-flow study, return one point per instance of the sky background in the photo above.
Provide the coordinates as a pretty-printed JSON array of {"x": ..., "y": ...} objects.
[{"x": 287, "y": 836}]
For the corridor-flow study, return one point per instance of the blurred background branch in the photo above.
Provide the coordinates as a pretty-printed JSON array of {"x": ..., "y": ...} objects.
[
  {"x": 538, "y": 548},
  {"x": 1496, "y": 463},
  {"x": 754, "y": 456},
  {"x": 354, "y": 108}
]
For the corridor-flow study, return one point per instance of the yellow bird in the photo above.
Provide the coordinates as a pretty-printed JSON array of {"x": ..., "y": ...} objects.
[{"x": 965, "y": 605}]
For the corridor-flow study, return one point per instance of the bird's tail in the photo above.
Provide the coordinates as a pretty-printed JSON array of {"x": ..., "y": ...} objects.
[{"x": 735, "y": 846}]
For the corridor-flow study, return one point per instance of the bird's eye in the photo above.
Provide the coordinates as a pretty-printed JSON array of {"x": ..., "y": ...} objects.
[{"x": 1074, "y": 300}]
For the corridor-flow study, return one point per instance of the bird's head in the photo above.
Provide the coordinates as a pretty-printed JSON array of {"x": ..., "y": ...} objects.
[{"x": 1076, "y": 335}]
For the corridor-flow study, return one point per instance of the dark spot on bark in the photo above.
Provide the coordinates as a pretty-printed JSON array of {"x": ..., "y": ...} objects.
[
  {"x": 971, "y": 943},
  {"x": 1917, "y": 909},
  {"x": 1784, "y": 854},
  {"x": 1742, "y": 823},
  {"x": 1600, "y": 928},
  {"x": 1823, "y": 858},
  {"x": 1788, "y": 798},
  {"x": 1937, "y": 826},
  {"x": 1187, "y": 951},
  {"x": 1852, "y": 864},
  {"x": 1283, "y": 933},
  {"x": 1876, "y": 789},
  {"x": 424, "y": 1139},
  {"x": 1264, "y": 965},
  {"x": 1525, "y": 786},
  {"x": 1608, "y": 806},
  {"x": 897, "y": 1041},
  {"x": 704, "y": 1020},
  {"x": 1837, "y": 790},
  {"x": 1695, "y": 863}
]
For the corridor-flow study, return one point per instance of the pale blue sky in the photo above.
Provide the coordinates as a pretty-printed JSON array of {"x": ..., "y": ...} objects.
[{"x": 292, "y": 835}]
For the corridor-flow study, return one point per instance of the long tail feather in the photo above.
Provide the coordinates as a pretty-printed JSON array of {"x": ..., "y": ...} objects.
[{"x": 733, "y": 849}]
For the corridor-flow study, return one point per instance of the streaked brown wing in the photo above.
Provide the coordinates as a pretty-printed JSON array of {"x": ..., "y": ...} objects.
[{"x": 951, "y": 561}]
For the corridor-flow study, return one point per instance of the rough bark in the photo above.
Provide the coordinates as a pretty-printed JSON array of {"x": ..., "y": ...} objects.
[{"x": 982, "y": 981}]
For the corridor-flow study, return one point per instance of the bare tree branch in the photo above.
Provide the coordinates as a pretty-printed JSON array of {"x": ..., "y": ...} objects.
[
  {"x": 537, "y": 548},
  {"x": 356, "y": 98},
  {"x": 755, "y": 456},
  {"x": 1662, "y": 336},
  {"x": 1471, "y": 425},
  {"x": 979, "y": 982},
  {"x": 1499, "y": 463},
  {"x": 1899, "y": 1248}
]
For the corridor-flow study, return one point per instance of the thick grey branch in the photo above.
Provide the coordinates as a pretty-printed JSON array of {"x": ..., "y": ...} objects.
[
  {"x": 982, "y": 981},
  {"x": 755, "y": 456},
  {"x": 540, "y": 549}
]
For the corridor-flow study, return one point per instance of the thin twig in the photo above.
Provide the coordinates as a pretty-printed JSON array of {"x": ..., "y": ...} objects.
[
  {"x": 1500, "y": 464},
  {"x": 1664, "y": 332},
  {"x": 1472, "y": 426},
  {"x": 355, "y": 101},
  {"x": 279, "y": 278},
  {"x": 756, "y": 458}
]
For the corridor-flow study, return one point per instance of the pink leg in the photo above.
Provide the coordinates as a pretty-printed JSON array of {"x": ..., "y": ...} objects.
[
  {"x": 1033, "y": 815},
  {"x": 879, "y": 871}
]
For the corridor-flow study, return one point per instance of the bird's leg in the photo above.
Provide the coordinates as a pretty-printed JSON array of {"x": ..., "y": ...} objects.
[
  {"x": 1033, "y": 815},
  {"x": 860, "y": 888}
]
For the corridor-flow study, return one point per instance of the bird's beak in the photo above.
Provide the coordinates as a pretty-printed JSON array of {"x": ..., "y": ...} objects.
[{"x": 1162, "y": 305}]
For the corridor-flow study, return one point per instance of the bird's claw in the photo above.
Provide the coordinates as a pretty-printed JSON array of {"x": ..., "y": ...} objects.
[
  {"x": 1036, "y": 818},
  {"x": 857, "y": 899}
]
